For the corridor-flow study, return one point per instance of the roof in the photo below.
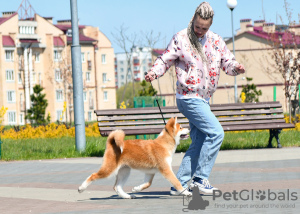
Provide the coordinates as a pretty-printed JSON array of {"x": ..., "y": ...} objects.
[
  {"x": 58, "y": 42},
  {"x": 158, "y": 51},
  {"x": 286, "y": 37},
  {"x": 4, "y": 19},
  {"x": 245, "y": 20},
  {"x": 66, "y": 27},
  {"x": 259, "y": 21},
  {"x": 82, "y": 38},
  {"x": 7, "y": 41},
  {"x": 29, "y": 41}
]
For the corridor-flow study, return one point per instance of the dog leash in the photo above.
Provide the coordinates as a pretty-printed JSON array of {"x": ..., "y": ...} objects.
[{"x": 157, "y": 102}]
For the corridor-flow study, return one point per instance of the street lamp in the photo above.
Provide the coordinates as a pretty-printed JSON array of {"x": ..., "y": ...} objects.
[{"x": 231, "y": 4}]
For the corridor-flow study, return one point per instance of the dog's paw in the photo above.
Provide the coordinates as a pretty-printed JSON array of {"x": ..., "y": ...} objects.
[
  {"x": 81, "y": 189},
  {"x": 136, "y": 189}
]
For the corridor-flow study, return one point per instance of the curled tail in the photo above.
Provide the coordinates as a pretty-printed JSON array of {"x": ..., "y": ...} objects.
[{"x": 116, "y": 138}]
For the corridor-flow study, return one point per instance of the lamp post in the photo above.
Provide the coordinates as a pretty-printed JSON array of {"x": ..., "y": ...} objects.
[
  {"x": 80, "y": 139},
  {"x": 231, "y": 4}
]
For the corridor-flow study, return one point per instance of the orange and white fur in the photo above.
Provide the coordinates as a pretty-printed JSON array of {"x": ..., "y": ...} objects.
[{"x": 149, "y": 156}]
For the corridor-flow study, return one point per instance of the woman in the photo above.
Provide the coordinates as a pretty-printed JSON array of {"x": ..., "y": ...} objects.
[{"x": 198, "y": 54}]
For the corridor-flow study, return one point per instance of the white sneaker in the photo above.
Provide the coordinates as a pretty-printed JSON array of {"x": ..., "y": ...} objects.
[
  {"x": 203, "y": 186},
  {"x": 186, "y": 192}
]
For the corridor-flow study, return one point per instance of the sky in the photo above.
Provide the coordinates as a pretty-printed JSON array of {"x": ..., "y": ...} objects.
[{"x": 166, "y": 17}]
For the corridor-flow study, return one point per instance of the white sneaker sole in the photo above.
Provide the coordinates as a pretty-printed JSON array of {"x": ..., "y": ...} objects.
[{"x": 203, "y": 190}]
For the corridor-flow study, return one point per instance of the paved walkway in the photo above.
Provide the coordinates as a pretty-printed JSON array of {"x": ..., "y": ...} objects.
[{"x": 50, "y": 186}]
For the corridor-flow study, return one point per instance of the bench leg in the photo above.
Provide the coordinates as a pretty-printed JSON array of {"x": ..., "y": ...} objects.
[{"x": 274, "y": 133}]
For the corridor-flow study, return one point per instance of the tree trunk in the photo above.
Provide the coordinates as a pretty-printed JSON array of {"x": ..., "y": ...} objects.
[{"x": 290, "y": 110}]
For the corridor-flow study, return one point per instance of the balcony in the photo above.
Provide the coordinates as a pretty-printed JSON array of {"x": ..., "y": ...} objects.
[
  {"x": 21, "y": 63},
  {"x": 27, "y": 30},
  {"x": 89, "y": 64},
  {"x": 91, "y": 104},
  {"x": 22, "y": 106}
]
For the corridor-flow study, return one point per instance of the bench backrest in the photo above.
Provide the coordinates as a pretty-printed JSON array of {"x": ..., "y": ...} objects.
[{"x": 234, "y": 116}]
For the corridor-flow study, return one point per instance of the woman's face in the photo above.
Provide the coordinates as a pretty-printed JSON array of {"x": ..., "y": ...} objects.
[{"x": 201, "y": 26}]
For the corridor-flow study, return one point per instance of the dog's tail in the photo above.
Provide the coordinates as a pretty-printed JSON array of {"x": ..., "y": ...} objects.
[{"x": 116, "y": 138}]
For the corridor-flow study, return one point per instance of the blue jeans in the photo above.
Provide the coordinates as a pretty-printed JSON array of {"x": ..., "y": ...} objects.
[{"x": 207, "y": 135}]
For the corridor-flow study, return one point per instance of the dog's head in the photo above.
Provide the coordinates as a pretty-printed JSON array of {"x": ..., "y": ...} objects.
[{"x": 175, "y": 129}]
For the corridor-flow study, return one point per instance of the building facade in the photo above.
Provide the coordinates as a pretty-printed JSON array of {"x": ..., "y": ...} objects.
[
  {"x": 36, "y": 51},
  {"x": 137, "y": 62}
]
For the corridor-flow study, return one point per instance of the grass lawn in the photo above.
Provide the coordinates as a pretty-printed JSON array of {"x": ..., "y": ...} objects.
[{"x": 36, "y": 149}]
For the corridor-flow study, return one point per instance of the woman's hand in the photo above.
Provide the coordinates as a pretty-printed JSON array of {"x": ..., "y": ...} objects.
[
  {"x": 150, "y": 76},
  {"x": 240, "y": 69}
]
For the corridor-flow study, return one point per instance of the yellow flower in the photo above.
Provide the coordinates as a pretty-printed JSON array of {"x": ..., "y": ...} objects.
[
  {"x": 2, "y": 113},
  {"x": 243, "y": 97}
]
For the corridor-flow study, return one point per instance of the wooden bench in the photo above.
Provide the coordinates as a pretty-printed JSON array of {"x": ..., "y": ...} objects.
[{"x": 233, "y": 117}]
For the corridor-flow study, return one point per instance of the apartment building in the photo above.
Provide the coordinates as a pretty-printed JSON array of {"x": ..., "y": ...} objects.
[
  {"x": 37, "y": 51},
  {"x": 254, "y": 49},
  {"x": 140, "y": 61}
]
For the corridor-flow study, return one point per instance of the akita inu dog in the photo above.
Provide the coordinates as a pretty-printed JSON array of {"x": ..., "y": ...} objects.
[{"x": 149, "y": 156}]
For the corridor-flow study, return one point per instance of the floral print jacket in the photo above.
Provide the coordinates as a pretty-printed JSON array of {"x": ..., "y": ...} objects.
[{"x": 194, "y": 78}]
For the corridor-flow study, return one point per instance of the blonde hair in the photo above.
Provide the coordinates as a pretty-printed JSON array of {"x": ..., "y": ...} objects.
[{"x": 205, "y": 11}]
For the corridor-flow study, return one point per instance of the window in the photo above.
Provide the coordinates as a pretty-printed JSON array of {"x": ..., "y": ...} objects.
[
  {"x": 122, "y": 77},
  {"x": 11, "y": 115},
  {"x": 57, "y": 55},
  {"x": 26, "y": 29},
  {"x": 33, "y": 78},
  {"x": 11, "y": 96},
  {"x": 59, "y": 95},
  {"x": 9, "y": 55},
  {"x": 105, "y": 97},
  {"x": 58, "y": 75},
  {"x": 21, "y": 119},
  {"x": 88, "y": 56},
  {"x": 59, "y": 115},
  {"x": 37, "y": 57},
  {"x": 89, "y": 116},
  {"x": 91, "y": 96},
  {"x": 103, "y": 57},
  {"x": 136, "y": 61},
  {"x": 40, "y": 78},
  {"x": 144, "y": 69},
  {"x": 20, "y": 78},
  {"x": 10, "y": 77},
  {"x": 82, "y": 57},
  {"x": 136, "y": 68},
  {"x": 22, "y": 104},
  {"x": 88, "y": 76},
  {"x": 84, "y": 96},
  {"x": 122, "y": 69},
  {"x": 104, "y": 77},
  {"x": 121, "y": 62}
]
